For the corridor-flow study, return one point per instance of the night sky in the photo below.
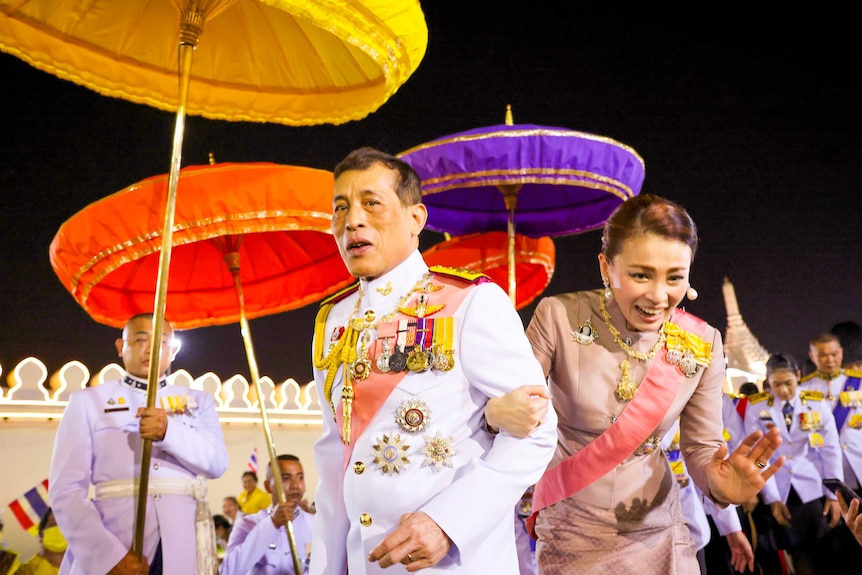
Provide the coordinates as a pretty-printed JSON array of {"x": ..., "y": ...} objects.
[{"x": 751, "y": 121}]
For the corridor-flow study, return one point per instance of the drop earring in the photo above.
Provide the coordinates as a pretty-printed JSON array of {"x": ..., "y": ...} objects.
[
  {"x": 691, "y": 293},
  {"x": 608, "y": 292}
]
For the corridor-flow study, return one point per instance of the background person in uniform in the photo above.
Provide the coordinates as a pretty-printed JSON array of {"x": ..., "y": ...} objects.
[
  {"x": 753, "y": 517},
  {"x": 258, "y": 543},
  {"x": 843, "y": 392},
  {"x": 608, "y": 502},
  {"x": 98, "y": 444},
  {"x": 841, "y": 387},
  {"x": 804, "y": 509},
  {"x": 405, "y": 363},
  {"x": 53, "y": 547},
  {"x": 253, "y": 498}
]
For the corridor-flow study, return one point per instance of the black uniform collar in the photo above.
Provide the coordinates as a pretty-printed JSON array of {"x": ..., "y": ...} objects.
[{"x": 138, "y": 383}]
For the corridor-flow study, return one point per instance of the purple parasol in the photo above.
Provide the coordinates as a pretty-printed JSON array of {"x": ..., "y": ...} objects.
[{"x": 544, "y": 181}]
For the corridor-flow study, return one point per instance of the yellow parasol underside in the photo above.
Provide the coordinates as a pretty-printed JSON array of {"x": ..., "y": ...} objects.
[{"x": 294, "y": 62}]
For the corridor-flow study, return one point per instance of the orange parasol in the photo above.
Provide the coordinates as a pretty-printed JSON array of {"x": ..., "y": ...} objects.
[
  {"x": 485, "y": 252},
  {"x": 297, "y": 62},
  {"x": 273, "y": 219}
]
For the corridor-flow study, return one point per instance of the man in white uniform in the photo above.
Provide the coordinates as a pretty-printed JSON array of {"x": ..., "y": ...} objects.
[
  {"x": 841, "y": 387},
  {"x": 405, "y": 362},
  {"x": 258, "y": 543},
  {"x": 843, "y": 392},
  {"x": 804, "y": 509},
  {"x": 99, "y": 443}
]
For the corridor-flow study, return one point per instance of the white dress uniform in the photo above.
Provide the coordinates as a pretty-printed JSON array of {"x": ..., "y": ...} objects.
[
  {"x": 98, "y": 444},
  {"x": 811, "y": 455},
  {"x": 690, "y": 498},
  {"x": 850, "y": 432},
  {"x": 466, "y": 479},
  {"x": 256, "y": 547}
]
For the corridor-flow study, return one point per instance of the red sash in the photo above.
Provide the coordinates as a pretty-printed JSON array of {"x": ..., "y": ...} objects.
[
  {"x": 372, "y": 392},
  {"x": 636, "y": 423}
]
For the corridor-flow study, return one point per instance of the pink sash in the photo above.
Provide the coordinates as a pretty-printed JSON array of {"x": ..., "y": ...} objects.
[
  {"x": 373, "y": 392},
  {"x": 655, "y": 394}
]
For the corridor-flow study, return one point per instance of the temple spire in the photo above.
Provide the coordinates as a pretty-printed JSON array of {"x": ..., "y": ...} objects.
[{"x": 746, "y": 358}]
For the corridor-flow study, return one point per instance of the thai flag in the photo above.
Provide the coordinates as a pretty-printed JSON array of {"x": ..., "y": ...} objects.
[
  {"x": 30, "y": 507},
  {"x": 252, "y": 461}
]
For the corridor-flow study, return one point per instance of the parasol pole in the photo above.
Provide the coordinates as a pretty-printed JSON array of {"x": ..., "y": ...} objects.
[
  {"x": 510, "y": 196},
  {"x": 191, "y": 26},
  {"x": 231, "y": 258}
]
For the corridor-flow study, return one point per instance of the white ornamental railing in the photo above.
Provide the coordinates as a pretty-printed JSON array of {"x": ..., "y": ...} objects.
[{"x": 30, "y": 394}]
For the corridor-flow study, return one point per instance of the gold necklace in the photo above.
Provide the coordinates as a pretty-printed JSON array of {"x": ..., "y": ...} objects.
[
  {"x": 626, "y": 387},
  {"x": 368, "y": 321}
]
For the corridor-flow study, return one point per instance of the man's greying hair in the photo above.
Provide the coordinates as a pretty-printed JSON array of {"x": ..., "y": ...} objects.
[{"x": 408, "y": 184}]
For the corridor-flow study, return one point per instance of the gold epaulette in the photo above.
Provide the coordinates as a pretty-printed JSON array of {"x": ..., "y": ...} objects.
[
  {"x": 758, "y": 397},
  {"x": 460, "y": 273},
  {"x": 808, "y": 377},
  {"x": 852, "y": 373},
  {"x": 340, "y": 294},
  {"x": 809, "y": 395}
]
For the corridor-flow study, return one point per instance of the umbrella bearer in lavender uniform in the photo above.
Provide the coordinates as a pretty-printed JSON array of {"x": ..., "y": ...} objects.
[
  {"x": 407, "y": 359},
  {"x": 99, "y": 443}
]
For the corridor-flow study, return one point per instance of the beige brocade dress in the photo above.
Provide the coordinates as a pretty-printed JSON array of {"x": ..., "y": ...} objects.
[{"x": 629, "y": 520}]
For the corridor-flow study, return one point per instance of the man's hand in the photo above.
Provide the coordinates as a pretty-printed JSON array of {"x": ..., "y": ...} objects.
[
  {"x": 750, "y": 505},
  {"x": 154, "y": 423},
  {"x": 741, "y": 554},
  {"x": 130, "y": 565},
  {"x": 417, "y": 542},
  {"x": 283, "y": 513},
  {"x": 832, "y": 510},
  {"x": 307, "y": 506},
  {"x": 852, "y": 516},
  {"x": 781, "y": 513},
  {"x": 520, "y": 411}
]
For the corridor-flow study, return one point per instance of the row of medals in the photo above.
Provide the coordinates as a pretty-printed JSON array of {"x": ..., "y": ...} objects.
[{"x": 418, "y": 360}]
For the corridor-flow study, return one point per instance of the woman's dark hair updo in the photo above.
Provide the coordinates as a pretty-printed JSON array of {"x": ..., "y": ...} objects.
[
  {"x": 781, "y": 362},
  {"x": 648, "y": 214}
]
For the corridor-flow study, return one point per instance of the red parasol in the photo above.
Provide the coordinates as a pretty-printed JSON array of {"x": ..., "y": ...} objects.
[{"x": 485, "y": 252}]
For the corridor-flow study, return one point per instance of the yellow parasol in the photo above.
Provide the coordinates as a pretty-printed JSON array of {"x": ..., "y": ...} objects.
[{"x": 294, "y": 62}]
